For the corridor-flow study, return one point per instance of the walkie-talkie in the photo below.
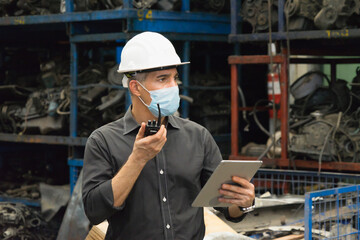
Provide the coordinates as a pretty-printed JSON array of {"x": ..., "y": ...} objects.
[{"x": 153, "y": 127}]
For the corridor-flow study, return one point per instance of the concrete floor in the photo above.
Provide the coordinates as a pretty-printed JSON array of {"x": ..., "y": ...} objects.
[{"x": 262, "y": 218}]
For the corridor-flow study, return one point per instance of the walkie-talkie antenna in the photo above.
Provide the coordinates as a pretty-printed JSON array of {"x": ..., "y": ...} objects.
[{"x": 159, "y": 118}]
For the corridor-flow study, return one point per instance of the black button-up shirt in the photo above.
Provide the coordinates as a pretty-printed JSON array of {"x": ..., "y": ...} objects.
[{"x": 159, "y": 205}]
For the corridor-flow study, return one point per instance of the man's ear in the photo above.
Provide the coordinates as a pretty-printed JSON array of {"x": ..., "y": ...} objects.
[{"x": 133, "y": 87}]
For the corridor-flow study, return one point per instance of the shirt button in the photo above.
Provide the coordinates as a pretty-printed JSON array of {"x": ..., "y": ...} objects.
[
  {"x": 168, "y": 226},
  {"x": 161, "y": 172},
  {"x": 164, "y": 199}
]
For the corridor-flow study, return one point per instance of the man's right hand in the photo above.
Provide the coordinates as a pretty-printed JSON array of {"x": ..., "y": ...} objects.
[{"x": 146, "y": 148}]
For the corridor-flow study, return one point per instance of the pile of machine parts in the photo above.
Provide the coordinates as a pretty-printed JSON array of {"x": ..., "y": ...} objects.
[
  {"x": 25, "y": 191},
  {"x": 18, "y": 221},
  {"x": 256, "y": 12},
  {"x": 211, "y": 108},
  {"x": 42, "y": 7},
  {"x": 324, "y": 120},
  {"x": 98, "y": 104},
  {"x": 45, "y": 109},
  {"x": 166, "y": 5},
  {"x": 28, "y": 7},
  {"x": 303, "y": 14}
]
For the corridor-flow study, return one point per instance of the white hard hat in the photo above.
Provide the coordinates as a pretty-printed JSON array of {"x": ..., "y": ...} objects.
[{"x": 146, "y": 51}]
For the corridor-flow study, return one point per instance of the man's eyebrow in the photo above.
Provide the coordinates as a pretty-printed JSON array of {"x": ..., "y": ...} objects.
[{"x": 163, "y": 75}]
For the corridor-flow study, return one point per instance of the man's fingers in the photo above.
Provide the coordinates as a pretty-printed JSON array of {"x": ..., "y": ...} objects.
[
  {"x": 238, "y": 202},
  {"x": 141, "y": 132},
  {"x": 161, "y": 131},
  {"x": 155, "y": 142},
  {"x": 242, "y": 182},
  {"x": 236, "y": 192}
]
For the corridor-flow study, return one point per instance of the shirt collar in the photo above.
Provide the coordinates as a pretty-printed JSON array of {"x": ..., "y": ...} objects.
[{"x": 130, "y": 123}]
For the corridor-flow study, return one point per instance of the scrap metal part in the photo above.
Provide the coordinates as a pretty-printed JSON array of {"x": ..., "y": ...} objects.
[
  {"x": 17, "y": 221},
  {"x": 256, "y": 12},
  {"x": 320, "y": 14}
]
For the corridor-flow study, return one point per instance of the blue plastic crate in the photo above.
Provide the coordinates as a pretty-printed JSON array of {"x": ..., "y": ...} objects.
[
  {"x": 333, "y": 214},
  {"x": 279, "y": 182}
]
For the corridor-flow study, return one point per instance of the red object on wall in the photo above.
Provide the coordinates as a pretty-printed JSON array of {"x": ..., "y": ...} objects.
[{"x": 273, "y": 78}]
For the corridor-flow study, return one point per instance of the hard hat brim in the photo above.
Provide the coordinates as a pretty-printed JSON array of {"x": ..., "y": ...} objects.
[
  {"x": 158, "y": 67},
  {"x": 125, "y": 78}
]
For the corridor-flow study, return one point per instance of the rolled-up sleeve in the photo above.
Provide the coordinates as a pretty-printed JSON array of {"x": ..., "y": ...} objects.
[
  {"x": 97, "y": 190},
  {"x": 212, "y": 159},
  {"x": 212, "y": 156}
]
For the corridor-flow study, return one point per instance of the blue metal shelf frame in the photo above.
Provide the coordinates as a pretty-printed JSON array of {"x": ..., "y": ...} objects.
[
  {"x": 43, "y": 139},
  {"x": 182, "y": 25},
  {"x": 28, "y": 202},
  {"x": 74, "y": 166}
]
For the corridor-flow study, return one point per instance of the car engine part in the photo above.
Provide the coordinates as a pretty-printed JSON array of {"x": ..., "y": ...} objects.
[
  {"x": 18, "y": 221},
  {"x": 256, "y": 13},
  {"x": 328, "y": 137},
  {"x": 320, "y": 14},
  {"x": 324, "y": 121}
]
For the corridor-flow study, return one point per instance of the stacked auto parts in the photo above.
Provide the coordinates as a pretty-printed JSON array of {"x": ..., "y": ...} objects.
[
  {"x": 302, "y": 14},
  {"x": 28, "y": 7},
  {"x": 321, "y": 14},
  {"x": 256, "y": 12},
  {"x": 99, "y": 104},
  {"x": 43, "y": 105},
  {"x": 324, "y": 120},
  {"x": 18, "y": 221},
  {"x": 206, "y": 109}
]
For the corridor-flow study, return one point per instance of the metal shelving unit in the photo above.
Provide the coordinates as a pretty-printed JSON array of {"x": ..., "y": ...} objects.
[
  {"x": 109, "y": 25},
  {"x": 302, "y": 43}
]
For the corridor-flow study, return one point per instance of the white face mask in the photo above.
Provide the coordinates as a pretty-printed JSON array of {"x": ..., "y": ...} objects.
[{"x": 167, "y": 98}]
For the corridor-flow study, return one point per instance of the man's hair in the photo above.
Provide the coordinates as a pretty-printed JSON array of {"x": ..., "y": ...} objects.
[{"x": 140, "y": 77}]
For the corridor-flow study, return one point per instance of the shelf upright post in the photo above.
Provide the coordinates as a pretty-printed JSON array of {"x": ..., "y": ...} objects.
[
  {"x": 185, "y": 6},
  {"x": 234, "y": 111},
  {"x": 333, "y": 72},
  {"x": 281, "y": 25},
  {"x": 234, "y": 15},
  {"x": 284, "y": 104},
  {"x": 118, "y": 60},
  {"x": 126, "y": 4},
  {"x": 185, "y": 79},
  {"x": 73, "y": 85},
  {"x": 69, "y": 5}
]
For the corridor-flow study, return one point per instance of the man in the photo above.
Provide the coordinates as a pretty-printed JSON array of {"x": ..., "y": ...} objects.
[{"x": 144, "y": 185}]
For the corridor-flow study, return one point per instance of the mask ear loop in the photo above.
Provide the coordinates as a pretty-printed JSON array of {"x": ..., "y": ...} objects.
[{"x": 145, "y": 90}]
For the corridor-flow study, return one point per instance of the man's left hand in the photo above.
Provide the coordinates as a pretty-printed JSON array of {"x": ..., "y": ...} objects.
[{"x": 242, "y": 195}]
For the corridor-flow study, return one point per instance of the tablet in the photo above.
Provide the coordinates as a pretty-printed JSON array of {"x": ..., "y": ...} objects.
[{"x": 209, "y": 194}]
